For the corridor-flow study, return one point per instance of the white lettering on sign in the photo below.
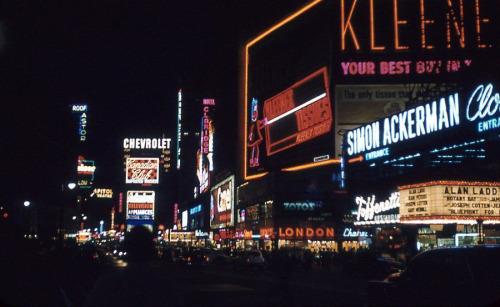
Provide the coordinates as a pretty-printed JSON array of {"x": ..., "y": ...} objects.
[
  {"x": 140, "y": 197},
  {"x": 443, "y": 200},
  {"x": 368, "y": 209},
  {"x": 348, "y": 232},
  {"x": 142, "y": 170},
  {"x": 146, "y": 143},
  {"x": 86, "y": 169},
  {"x": 483, "y": 103},
  {"x": 301, "y": 206},
  {"x": 422, "y": 120},
  {"x": 79, "y": 108}
]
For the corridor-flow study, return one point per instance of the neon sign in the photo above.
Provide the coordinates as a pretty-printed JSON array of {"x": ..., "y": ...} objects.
[
  {"x": 406, "y": 67},
  {"x": 195, "y": 210},
  {"x": 422, "y": 120},
  {"x": 302, "y": 206},
  {"x": 312, "y": 110},
  {"x": 179, "y": 127},
  {"x": 81, "y": 109},
  {"x": 369, "y": 210},
  {"x": 222, "y": 204},
  {"x": 453, "y": 29},
  {"x": 483, "y": 107},
  {"x": 301, "y": 232},
  {"x": 450, "y": 199},
  {"x": 142, "y": 170},
  {"x": 86, "y": 170},
  {"x": 140, "y": 205},
  {"x": 102, "y": 193},
  {"x": 146, "y": 143},
  {"x": 483, "y": 103},
  {"x": 205, "y": 163},
  {"x": 348, "y": 232}
]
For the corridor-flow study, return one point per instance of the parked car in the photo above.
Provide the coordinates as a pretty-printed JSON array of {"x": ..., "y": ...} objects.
[
  {"x": 215, "y": 257},
  {"x": 468, "y": 275},
  {"x": 251, "y": 259}
]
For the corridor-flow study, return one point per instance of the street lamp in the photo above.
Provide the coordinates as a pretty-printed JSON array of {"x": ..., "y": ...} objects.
[
  {"x": 27, "y": 203},
  {"x": 85, "y": 218},
  {"x": 74, "y": 217},
  {"x": 71, "y": 185}
]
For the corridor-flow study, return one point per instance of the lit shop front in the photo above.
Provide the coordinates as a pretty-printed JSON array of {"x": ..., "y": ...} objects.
[
  {"x": 310, "y": 237},
  {"x": 376, "y": 222}
]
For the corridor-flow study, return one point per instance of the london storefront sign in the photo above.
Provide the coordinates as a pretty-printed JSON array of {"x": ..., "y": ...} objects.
[{"x": 306, "y": 232}]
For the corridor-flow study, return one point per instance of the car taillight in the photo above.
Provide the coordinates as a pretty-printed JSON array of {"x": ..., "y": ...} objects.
[
  {"x": 189, "y": 258},
  {"x": 206, "y": 259},
  {"x": 248, "y": 260}
]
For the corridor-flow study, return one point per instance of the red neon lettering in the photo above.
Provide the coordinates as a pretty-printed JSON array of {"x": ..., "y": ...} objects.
[
  {"x": 458, "y": 24},
  {"x": 397, "y": 22},
  {"x": 478, "y": 26},
  {"x": 423, "y": 23},
  {"x": 372, "y": 30},
  {"x": 347, "y": 25}
]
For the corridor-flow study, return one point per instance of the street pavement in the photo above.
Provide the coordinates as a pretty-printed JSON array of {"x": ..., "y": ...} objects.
[{"x": 61, "y": 280}]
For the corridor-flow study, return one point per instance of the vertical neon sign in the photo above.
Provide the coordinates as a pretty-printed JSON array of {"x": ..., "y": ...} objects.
[
  {"x": 179, "y": 127},
  {"x": 205, "y": 156}
]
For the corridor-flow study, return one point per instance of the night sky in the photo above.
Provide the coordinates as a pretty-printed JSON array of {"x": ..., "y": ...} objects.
[{"x": 127, "y": 62}]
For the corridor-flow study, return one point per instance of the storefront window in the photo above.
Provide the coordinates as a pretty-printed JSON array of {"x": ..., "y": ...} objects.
[{"x": 252, "y": 213}]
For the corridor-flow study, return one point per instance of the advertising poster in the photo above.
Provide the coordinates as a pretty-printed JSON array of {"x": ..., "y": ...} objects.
[
  {"x": 290, "y": 127},
  {"x": 222, "y": 204},
  {"x": 142, "y": 170},
  {"x": 140, "y": 205}
]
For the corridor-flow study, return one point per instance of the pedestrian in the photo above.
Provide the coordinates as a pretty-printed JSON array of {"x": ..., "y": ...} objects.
[{"x": 140, "y": 283}]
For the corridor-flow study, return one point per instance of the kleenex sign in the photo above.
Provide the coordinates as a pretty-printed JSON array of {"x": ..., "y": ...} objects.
[{"x": 482, "y": 106}]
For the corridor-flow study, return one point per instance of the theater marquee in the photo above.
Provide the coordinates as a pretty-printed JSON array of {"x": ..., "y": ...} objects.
[{"x": 450, "y": 201}]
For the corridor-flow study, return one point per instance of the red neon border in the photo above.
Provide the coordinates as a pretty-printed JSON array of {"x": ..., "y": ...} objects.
[{"x": 245, "y": 78}]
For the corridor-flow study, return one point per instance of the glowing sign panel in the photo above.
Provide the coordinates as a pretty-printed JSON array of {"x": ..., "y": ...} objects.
[
  {"x": 102, "y": 193},
  {"x": 371, "y": 211},
  {"x": 483, "y": 107},
  {"x": 142, "y": 170},
  {"x": 222, "y": 204},
  {"x": 146, "y": 143},
  {"x": 140, "y": 205},
  {"x": 300, "y": 113},
  {"x": 451, "y": 199}
]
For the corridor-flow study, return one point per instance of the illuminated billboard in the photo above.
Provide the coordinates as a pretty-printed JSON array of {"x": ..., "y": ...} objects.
[
  {"x": 289, "y": 122},
  {"x": 204, "y": 158},
  {"x": 81, "y": 110},
  {"x": 140, "y": 205},
  {"x": 146, "y": 143},
  {"x": 450, "y": 201},
  {"x": 296, "y": 115},
  {"x": 468, "y": 114},
  {"x": 85, "y": 171},
  {"x": 396, "y": 43},
  {"x": 222, "y": 204},
  {"x": 142, "y": 170},
  {"x": 102, "y": 193}
]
